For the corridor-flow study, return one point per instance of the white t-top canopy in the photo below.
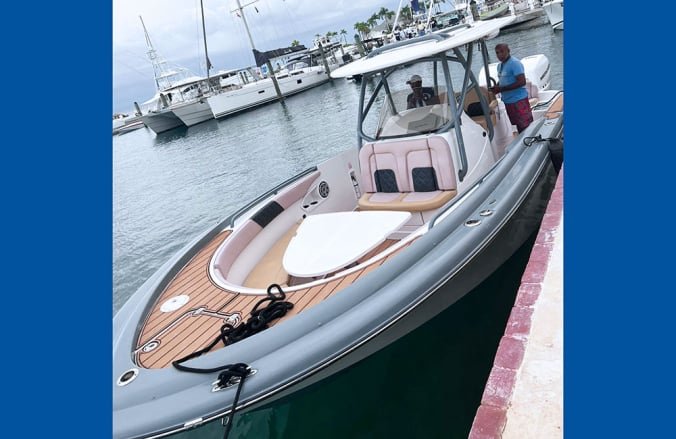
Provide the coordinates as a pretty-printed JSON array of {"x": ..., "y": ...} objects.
[{"x": 400, "y": 55}]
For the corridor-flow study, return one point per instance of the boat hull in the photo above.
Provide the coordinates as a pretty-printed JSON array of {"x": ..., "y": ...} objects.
[
  {"x": 526, "y": 20},
  {"x": 162, "y": 121},
  {"x": 510, "y": 238},
  {"x": 463, "y": 247},
  {"x": 194, "y": 112},
  {"x": 130, "y": 127},
  {"x": 262, "y": 92},
  {"x": 554, "y": 11},
  {"x": 499, "y": 11}
]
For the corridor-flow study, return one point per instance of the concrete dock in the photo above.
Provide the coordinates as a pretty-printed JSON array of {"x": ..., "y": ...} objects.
[{"x": 523, "y": 397}]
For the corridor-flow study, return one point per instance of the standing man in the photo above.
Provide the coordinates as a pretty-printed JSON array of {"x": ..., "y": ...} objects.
[{"x": 512, "y": 85}]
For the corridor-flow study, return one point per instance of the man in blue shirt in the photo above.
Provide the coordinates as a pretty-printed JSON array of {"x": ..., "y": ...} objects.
[{"x": 512, "y": 85}]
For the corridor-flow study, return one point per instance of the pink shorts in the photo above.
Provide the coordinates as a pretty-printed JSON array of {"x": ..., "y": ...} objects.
[{"x": 519, "y": 114}]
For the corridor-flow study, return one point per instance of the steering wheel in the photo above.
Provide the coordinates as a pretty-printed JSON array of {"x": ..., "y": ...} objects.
[{"x": 491, "y": 82}]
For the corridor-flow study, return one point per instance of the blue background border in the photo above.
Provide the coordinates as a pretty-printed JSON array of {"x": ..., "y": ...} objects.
[
  {"x": 619, "y": 306},
  {"x": 57, "y": 227},
  {"x": 57, "y": 213}
]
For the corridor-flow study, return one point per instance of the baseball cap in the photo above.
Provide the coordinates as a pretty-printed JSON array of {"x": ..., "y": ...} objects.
[{"x": 414, "y": 78}]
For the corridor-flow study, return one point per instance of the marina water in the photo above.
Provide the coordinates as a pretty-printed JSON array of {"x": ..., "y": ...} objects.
[{"x": 168, "y": 188}]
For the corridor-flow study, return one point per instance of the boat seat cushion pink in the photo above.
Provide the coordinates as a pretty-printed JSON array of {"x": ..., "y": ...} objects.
[
  {"x": 234, "y": 245},
  {"x": 391, "y": 171}
]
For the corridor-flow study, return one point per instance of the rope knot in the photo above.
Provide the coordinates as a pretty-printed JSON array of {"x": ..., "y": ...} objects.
[{"x": 233, "y": 374}]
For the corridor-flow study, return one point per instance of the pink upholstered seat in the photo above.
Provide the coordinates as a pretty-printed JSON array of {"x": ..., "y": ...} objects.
[
  {"x": 242, "y": 236},
  {"x": 411, "y": 175}
]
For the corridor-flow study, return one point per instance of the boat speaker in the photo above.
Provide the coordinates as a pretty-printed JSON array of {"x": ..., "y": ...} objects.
[{"x": 323, "y": 189}]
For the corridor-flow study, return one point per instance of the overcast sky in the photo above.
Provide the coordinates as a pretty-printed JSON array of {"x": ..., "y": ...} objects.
[{"x": 175, "y": 30}]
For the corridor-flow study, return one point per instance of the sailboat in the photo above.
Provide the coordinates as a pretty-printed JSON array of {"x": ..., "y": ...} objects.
[
  {"x": 296, "y": 77},
  {"x": 196, "y": 109},
  {"x": 172, "y": 83}
]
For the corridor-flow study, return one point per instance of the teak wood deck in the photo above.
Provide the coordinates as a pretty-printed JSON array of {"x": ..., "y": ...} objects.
[{"x": 168, "y": 336}]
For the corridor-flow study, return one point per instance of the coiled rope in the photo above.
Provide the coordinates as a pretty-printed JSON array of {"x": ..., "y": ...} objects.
[{"x": 258, "y": 321}]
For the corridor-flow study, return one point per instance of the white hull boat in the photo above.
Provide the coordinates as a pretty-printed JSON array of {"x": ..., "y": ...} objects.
[
  {"x": 161, "y": 120},
  {"x": 494, "y": 11},
  {"x": 346, "y": 257},
  {"x": 118, "y": 122},
  {"x": 554, "y": 11},
  {"x": 252, "y": 94},
  {"x": 123, "y": 123},
  {"x": 194, "y": 112},
  {"x": 184, "y": 104}
]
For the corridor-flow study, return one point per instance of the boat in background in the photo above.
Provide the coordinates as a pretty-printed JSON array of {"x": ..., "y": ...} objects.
[
  {"x": 554, "y": 11},
  {"x": 346, "y": 257},
  {"x": 194, "y": 107},
  {"x": 493, "y": 9},
  {"x": 119, "y": 120},
  {"x": 123, "y": 123},
  {"x": 174, "y": 84},
  {"x": 246, "y": 88},
  {"x": 527, "y": 16},
  {"x": 159, "y": 117}
]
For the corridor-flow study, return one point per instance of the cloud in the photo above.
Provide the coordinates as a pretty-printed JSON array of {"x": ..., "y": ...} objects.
[{"x": 175, "y": 30}]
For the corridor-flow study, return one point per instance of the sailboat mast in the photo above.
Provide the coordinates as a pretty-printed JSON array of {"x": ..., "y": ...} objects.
[
  {"x": 271, "y": 71},
  {"x": 246, "y": 25},
  {"x": 164, "y": 76},
  {"x": 204, "y": 34},
  {"x": 152, "y": 55},
  {"x": 396, "y": 17},
  {"x": 429, "y": 16}
]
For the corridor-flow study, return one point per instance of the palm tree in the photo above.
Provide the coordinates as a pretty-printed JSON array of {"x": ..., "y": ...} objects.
[
  {"x": 372, "y": 21},
  {"x": 389, "y": 15},
  {"x": 406, "y": 13},
  {"x": 295, "y": 43},
  {"x": 343, "y": 33},
  {"x": 383, "y": 11},
  {"x": 362, "y": 28}
]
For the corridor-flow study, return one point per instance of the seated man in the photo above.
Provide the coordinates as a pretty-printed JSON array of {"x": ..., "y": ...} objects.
[{"x": 421, "y": 96}]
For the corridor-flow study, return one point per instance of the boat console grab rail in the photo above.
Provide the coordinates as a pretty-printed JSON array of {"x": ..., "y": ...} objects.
[
  {"x": 269, "y": 193},
  {"x": 470, "y": 75}
]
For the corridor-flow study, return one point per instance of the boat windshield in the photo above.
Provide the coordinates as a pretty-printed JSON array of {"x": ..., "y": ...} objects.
[{"x": 409, "y": 100}]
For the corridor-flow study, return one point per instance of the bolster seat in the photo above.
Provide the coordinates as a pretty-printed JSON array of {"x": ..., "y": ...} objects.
[{"x": 411, "y": 202}]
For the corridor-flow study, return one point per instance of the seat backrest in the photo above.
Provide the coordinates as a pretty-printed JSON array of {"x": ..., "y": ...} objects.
[
  {"x": 473, "y": 97},
  {"x": 418, "y": 165}
]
